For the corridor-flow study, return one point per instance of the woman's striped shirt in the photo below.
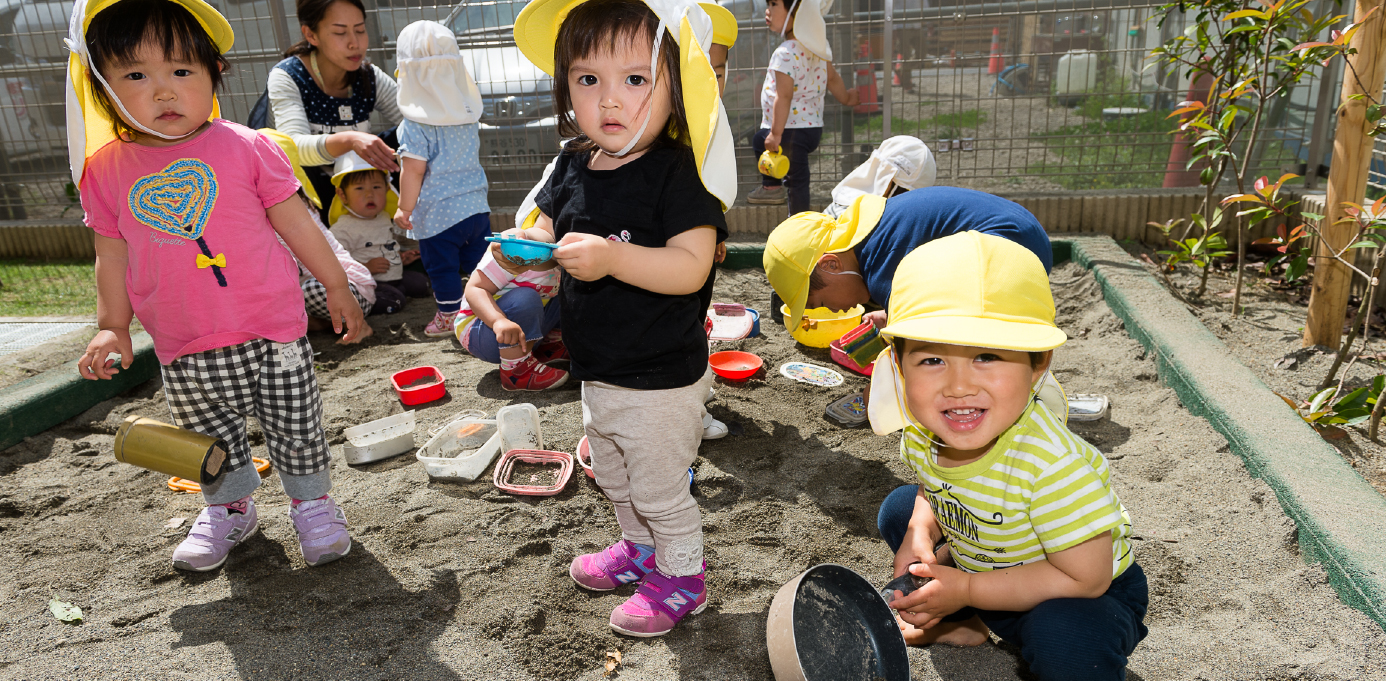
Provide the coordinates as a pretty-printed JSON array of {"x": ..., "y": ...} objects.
[{"x": 1041, "y": 489}]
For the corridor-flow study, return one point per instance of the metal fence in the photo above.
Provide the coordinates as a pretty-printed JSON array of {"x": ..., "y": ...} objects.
[{"x": 1067, "y": 104}]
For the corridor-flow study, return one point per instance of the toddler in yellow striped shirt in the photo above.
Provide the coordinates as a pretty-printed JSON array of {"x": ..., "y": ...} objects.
[{"x": 1038, "y": 540}]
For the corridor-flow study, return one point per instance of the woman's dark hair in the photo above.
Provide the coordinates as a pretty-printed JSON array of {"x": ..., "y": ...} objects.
[
  {"x": 1035, "y": 357},
  {"x": 116, "y": 35},
  {"x": 310, "y": 14},
  {"x": 597, "y": 27}
]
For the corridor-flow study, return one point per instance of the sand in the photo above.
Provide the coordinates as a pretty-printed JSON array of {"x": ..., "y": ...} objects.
[{"x": 453, "y": 580}]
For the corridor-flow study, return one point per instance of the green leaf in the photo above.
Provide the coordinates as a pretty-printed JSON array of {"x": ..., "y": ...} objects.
[
  {"x": 1363, "y": 244},
  {"x": 65, "y": 612},
  {"x": 1317, "y": 401},
  {"x": 1350, "y": 401}
]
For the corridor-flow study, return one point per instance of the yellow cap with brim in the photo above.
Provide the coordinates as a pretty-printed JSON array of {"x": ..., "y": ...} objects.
[
  {"x": 536, "y": 34},
  {"x": 794, "y": 247},
  {"x": 347, "y": 164},
  {"x": 88, "y": 127},
  {"x": 724, "y": 28},
  {"x": 291, "y": 150},
  {"x": 969, "y": 289}
]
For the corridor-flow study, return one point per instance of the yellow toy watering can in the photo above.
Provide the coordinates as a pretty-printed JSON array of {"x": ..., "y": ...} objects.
[{"x": 774, "y": 164}]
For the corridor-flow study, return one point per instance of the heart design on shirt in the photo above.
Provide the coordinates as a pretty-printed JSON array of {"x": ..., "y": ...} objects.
[{"x": 176, "y": 200}]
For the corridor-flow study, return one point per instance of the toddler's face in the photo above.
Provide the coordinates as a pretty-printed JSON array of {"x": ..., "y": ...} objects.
[
  {"x": 717, "y": 54},
  {"x": 967, "y": 396},
  {"x": 776, "y": 14},
  {"x": 365, "y": 196},
  {"x": 611, "y": 93},
  {"x": 169, "y": 96}
]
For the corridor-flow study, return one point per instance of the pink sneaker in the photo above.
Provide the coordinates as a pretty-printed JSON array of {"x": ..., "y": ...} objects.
[
  {"x": 321, "y": 529},
  {"x": 441, "y": 325},
  {"x": 620, "y": 563},
  {"x": 660, "y": 604},
  {"x": 212, "y": 536}
]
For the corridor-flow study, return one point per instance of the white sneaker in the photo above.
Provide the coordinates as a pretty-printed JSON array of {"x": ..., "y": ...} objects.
[
  {"x": 711, "y": 395},
  {"x": 712, "y": 428}
]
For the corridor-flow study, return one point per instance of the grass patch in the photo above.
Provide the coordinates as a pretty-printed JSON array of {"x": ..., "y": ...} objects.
[
  {"x": 941, "y": 126},
  {"x": 1128, "y": 152},
  {"x": 47, "y": 288}
]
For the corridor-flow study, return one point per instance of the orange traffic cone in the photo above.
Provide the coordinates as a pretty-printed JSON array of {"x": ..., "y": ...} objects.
[
  {"x": 866, "y": 82},
  {"x": 997, "y": 63},
  {"x": 953, "y": 58}
]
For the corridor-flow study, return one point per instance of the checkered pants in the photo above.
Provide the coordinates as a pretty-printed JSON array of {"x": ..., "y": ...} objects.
[
  {"x": 213, "y": 392},
  {"x": 315, "y": 299}
]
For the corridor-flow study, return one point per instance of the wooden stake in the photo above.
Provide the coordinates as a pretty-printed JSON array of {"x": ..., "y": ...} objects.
[{"x": 1347, "y": 180}]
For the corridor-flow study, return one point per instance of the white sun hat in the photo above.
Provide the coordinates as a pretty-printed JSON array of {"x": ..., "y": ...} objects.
[
  {"x": 902, "y": 159},
  {"x": 88, "y": 127},
  {"x": 347, "y": 164},
  {"x": 536, "y": 34},
  {"x": 809, "y": 27},
  {"x": 435, "y": 87}
]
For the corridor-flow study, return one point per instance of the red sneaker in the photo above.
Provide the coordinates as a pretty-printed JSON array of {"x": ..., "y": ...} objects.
[
  {"x": 551, "y": 351},
  {"x": 532, "y": 376}
]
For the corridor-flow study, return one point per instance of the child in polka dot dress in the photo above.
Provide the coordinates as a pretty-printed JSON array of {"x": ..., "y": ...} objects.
[
  {"x": 442, "y": 186},
  {"x": 800, "y": 74}
]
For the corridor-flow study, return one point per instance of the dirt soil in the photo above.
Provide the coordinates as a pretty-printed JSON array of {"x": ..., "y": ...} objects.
[
  {"x": 1268, "y": 338},
  {"x": 452, "y": 580}
]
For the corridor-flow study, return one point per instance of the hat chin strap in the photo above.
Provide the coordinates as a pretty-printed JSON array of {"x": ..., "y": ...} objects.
[
  {"x": 787, "y": 17},
  {"x": 654, "y": 83},
  {"x": 86, "y": 59}
]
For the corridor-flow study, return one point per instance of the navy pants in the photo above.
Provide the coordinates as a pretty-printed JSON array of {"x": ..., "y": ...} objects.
[
  {"x": 390, "y": 296},
  {"x": 447, "y": 255},
  {"x": 797, "y": 144},
  {"x": 1064, "y": 639},
  {"x": 525, "y": 307}
]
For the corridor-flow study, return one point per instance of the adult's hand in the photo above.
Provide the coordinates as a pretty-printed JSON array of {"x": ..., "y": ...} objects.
[{"x": 371, "y": 148}]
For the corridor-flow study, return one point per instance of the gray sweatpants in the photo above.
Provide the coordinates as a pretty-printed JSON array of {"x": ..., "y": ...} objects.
[{"x": 642, "y": 443}]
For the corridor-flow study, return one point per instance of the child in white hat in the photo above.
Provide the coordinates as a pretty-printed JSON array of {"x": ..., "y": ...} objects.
[
  {"x": 900, "y": 164},
  {"x": 361, "y": 223},
  {"x": 189, "y": 211},
  {"x": 1040, "y": 543},
  {"x": 442, "y": 199},
  {"x": 800, "y": 74}
]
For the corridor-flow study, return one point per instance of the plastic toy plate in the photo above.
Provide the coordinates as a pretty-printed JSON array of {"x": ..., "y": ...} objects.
[
  {"x": 849, "y": 410},
  {"x": 811, "y": 374}
]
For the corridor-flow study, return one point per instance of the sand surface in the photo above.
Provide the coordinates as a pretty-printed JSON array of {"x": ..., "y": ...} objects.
[{"x": 453, "y": 580}]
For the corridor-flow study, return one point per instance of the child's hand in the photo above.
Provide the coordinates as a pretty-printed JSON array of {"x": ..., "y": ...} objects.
[
  {"x": 402, "y": 219},
  {"x": 345, "y": 311},
  {"x": 93, "y": 365},
  {"x": 772, "y": 142},
  {"x": 509, "y": 265},
  {"x": 945, "y": 595},
  {"x": 409, "y": 256},
  {"x": 508, "y": 333},
  {"x": 585, "y": 256},
  {"x": 853, "y": 98},
  {"x": 378, "y": 265},
  {"x": 721, "y": 253},
  {"x": 876, "y": 317}
]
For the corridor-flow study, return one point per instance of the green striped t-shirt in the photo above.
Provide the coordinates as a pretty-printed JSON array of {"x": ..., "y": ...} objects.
[{"x": 1041, "y": 489}]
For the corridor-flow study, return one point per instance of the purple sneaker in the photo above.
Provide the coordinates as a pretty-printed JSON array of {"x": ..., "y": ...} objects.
[
  {"x": 660, "y": 603},
  {"x": 215, "y": 532},
  {"x": 621, "y": 563},
  {"x": 321, "y": 529}
]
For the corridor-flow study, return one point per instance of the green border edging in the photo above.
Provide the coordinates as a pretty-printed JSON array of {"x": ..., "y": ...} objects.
[
  {"x": 743, "y": 256},
  {"x": 39, "y": 403},
  {"x": 1341, "y": 518}
]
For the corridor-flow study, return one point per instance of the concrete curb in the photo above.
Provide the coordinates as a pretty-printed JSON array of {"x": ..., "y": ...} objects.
[
  {"x": 1340, "y": 517},
  {"x": 39, "y": 403}
]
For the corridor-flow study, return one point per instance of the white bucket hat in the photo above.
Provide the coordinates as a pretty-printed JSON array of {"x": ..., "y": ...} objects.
[
  {"x": 88, "y": 127},
  {"x": 347, "y": 164},
  {"x": 435, "y": 87},
  {"x": 902, "y": 159},
  {"x": 536, "y": 34},
  {"x": 809, "y": 28}
]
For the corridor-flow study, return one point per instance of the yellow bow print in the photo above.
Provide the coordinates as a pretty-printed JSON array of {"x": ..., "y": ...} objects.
[{"x": 203, "y": 262}]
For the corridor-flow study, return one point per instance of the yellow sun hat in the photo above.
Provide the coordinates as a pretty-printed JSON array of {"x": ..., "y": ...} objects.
[
  {"x": 347, "y": 164},
  {"x": 291, "y": 150},
  {"x": 792, "y": 250},
  {"x": 971, "y": 289},
  {"x": 536, "y": 34},
  {"x": 723, "y": 23},
  {"x": 88, "y": 127}
]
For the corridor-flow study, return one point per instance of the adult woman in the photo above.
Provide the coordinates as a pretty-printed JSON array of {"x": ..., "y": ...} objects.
[{"x": 324, "y": 91}]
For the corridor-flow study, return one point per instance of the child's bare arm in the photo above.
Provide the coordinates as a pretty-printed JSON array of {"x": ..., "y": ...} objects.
[
  {"x": 411, "y": 176},
  {"x": 113, "y": 312},
  {"x": 295, "y": 226},
  {"x": 479, "y": 293},
  {"x": 678, "y": 268},
  {"x": 920, "y": 538},
  {"x": 839, "y": 89},
  {"x": 784, "y": 95},
  {"x": 541, "y": 230}
]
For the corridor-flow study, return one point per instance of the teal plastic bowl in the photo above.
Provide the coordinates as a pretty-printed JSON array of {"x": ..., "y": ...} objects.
[{"x": 523, "y": 251}]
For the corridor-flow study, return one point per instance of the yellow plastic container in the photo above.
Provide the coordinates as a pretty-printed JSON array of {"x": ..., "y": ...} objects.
[
  {"x": 170, "y": 450},
  {"x": 774, "y": 164},
  {"x": 821, "y": 326}
]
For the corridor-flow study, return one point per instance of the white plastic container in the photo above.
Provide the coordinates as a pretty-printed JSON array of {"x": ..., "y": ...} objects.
[
  {"x": 379, "y": 439},
  {"x": 465, "y": 448},
  {"x": 1076, "y": 73}
]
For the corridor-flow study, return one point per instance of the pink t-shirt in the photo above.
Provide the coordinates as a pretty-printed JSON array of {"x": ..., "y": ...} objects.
[{"x": 206, "y": 268}]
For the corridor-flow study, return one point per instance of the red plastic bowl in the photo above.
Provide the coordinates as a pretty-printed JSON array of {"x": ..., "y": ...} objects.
[
  {"x": 422, "y": 393},
  {"x": 584, "y": 457},
  {"x": 734, "y": 365}
]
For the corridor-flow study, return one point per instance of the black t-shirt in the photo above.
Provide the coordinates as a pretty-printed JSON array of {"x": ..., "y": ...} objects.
[{"x": 618, "y": 333}]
